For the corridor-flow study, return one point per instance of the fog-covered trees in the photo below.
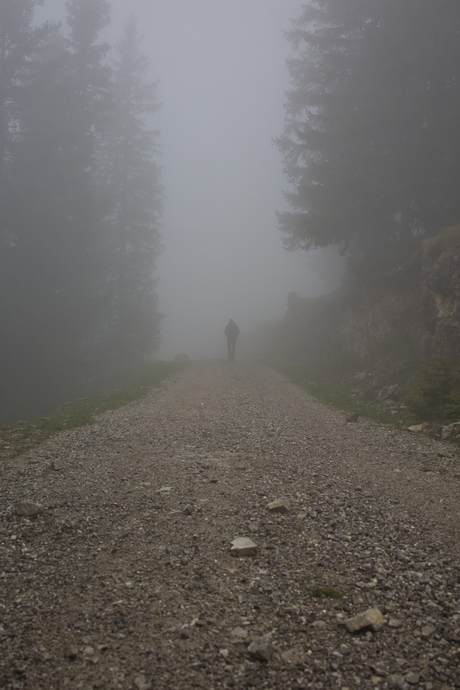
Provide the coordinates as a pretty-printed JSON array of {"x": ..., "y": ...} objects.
[
  {"x": 79, "y": 173},
  {"x": 371, "y": 144},
  {"x": 18, "y": 41},
  {"x": 133, "y": 181}
]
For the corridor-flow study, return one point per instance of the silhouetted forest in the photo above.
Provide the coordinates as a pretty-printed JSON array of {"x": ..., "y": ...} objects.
[{"x": 80, "y": 205}]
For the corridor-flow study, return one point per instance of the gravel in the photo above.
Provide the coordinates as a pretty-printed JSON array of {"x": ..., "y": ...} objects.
[{"x": 125, "y": 575}]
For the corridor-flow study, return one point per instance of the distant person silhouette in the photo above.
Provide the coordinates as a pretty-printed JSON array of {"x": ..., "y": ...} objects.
[{"x": 232, "y": 332}]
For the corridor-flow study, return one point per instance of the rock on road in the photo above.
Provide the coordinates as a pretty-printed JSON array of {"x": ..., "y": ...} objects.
[{"x": 128, "y": 577}]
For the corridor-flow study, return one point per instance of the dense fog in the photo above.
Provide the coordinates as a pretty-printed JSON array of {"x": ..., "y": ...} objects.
[
  {"x": 152, "y": 151},
  {"x": 221, "y": 67},
  {"x": 139, "y": 185}
]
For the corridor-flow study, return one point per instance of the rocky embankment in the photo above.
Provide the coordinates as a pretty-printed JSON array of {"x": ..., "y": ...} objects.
[
  {"x": 390, "y": 324},
  {"x": 126, "y": 577}
]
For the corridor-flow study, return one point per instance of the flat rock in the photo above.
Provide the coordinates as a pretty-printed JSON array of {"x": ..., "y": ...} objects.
[
  {"x": 28, "y": 508},
  {"x": 280, "y": 505},
  {"x": 57, "y": 464},
  {"x": 371, "y": 619},
  {"x": 243, "y": 546}
]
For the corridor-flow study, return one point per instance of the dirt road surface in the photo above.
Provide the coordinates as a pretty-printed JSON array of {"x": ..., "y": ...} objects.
[{"x": 127, "y": 578}]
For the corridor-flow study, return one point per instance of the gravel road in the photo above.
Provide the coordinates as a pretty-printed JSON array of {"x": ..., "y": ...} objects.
[{"x": 127, "y": 578}]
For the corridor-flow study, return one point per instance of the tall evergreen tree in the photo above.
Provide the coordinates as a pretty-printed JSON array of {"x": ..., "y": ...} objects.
[
  {"x": 18, "y": 41},
  {"x": 371, "y": 144},
  {"x": 57, "y": 214},
  {"x": 134, "y": 223}
]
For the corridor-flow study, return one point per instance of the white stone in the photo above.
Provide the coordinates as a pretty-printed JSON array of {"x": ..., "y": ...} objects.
[
  {"x": 281, "y": 505},
  {"x": 243, "y": 546},
  {"x": 372, "y": 618}
]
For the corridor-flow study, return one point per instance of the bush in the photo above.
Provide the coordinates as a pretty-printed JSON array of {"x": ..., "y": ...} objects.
[{"x": 438, "y": 396}]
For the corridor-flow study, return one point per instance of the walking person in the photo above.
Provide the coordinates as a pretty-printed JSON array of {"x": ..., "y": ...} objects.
[{"x": 232, "y": 332}]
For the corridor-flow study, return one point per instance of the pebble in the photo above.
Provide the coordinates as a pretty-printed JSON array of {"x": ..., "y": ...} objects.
[
  {"x": 395, "y": 623},
  {"x": 398, "y": 682},
  {"x": 413, "y": 678},
  {"x": 261, "y": 648},
  {"x": 71, "y": 650},
  {"x": 239, "y": 633},
  {"x": 142, "y": 683},
  {"x": 427, "y": 630}
]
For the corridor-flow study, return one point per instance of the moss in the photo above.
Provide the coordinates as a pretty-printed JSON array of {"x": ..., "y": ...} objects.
[{"x": 329, "y": 592}]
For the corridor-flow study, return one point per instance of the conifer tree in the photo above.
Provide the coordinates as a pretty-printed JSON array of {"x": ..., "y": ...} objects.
[
  {"x": 371, "y": 144},
  {"x": 56, "y": 210},
  {"x": 133, "y": 226}
]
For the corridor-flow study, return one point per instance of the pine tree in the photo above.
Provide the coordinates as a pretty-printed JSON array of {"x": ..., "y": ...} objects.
[
  {"x": 19, "y": 41},
  {"x": 56, "y": 211},
  {"x": 371, "y": 144},
  {"x": 133, "y": 227}
]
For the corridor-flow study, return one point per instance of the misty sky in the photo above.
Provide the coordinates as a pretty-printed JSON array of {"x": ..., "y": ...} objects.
[{"x": 221, "y": 66}]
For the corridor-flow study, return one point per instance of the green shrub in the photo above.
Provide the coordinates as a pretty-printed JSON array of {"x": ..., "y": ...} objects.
[{"x": 438, "y": 396}]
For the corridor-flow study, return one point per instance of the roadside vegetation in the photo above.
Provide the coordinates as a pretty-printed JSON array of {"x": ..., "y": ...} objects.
[
  {"x": 23, "y": 435},
  {"x": 438, "y": 395},
  {"x": 335, "y": 387}
]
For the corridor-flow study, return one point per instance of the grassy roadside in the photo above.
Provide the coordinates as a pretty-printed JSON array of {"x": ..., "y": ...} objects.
[
  {"x": 21, "y": 436},
  {"x": 335, "y": 390}
]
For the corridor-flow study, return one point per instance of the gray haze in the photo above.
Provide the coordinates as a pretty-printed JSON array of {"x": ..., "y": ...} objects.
[{"x": 221, "y": 66}]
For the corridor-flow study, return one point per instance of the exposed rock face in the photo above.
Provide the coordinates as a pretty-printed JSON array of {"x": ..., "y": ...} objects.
[
  {"x": 415, "y": 309},
  {"x": 391, "y": 393}
]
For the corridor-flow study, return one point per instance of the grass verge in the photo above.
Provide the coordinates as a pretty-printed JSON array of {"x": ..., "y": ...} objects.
[
  {"x": 332, "y": 388},
  {"x": 21, "y": 436}
]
